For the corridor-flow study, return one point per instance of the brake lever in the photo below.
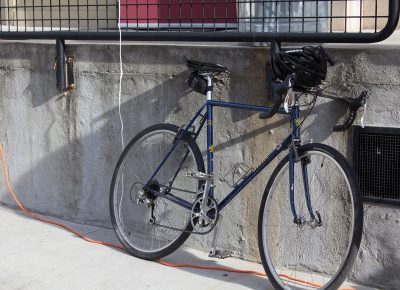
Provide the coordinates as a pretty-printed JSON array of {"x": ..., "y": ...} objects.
[
  {"x": 288, "y": 100},
  {"x": 354, "y": 105},
  {"x": 277, "y": 90},
  {"x": 363, "y": 113}
]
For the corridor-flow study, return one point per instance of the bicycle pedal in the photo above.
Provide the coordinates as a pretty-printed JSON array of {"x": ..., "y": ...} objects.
[
  {"x": 220, "y": 254},
  {"x": 305, "y": 141},
  {"x": 199, "y": 175}
]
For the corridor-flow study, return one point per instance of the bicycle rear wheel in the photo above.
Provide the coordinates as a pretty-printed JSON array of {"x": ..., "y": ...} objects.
[
  {"x": 310, "y": 255},
  {"x": 131, "y": 206}
]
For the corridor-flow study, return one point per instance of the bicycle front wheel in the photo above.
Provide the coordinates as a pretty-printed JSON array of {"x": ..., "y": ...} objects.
[
  {"x": 150, "y": 225},
  {"x": 313, "y": 252}
]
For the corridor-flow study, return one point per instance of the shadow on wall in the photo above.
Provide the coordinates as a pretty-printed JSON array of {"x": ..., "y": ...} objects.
[
  {"x": 323, "y": 118},
  {"x": 72, "y": 182},
  {"x": 319, "y": 128},
  {"x": 62, "y": 150}
]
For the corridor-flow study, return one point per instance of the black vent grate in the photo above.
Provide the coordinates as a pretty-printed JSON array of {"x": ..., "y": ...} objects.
[{"x": 377, "y": 163}]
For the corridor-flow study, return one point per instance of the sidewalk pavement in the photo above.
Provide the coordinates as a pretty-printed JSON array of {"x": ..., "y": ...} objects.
[{"x": 36, "y": 255}]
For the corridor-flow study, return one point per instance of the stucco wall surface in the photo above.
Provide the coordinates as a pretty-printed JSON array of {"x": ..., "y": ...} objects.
[{"x": 61, "y": 149}]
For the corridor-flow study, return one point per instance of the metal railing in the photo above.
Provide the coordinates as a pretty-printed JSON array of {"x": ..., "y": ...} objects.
[{"x": 200, "y": 20}]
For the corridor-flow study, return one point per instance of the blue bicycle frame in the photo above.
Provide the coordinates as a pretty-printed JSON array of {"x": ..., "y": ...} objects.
[{"x": 205, "y": 113}]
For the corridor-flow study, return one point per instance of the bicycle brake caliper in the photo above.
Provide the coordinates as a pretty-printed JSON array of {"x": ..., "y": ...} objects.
[
  {"x": 152, "y": 219},
  {"x": 178, "y": 135},
  {"x": 318, "y": 220},
  {"x": 191, "y": 131},
  {"x": 294, "y": 147}
]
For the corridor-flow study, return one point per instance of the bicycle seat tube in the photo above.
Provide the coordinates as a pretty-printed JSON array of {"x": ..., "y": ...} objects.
[
  {"x": 210, "y": 141},
  {"x": 292, "y": 155}
]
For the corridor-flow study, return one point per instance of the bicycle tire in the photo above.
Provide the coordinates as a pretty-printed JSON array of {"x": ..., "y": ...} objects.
[
  {"x": 145, "y": 152},
  {"x": 331, "y": 254}
]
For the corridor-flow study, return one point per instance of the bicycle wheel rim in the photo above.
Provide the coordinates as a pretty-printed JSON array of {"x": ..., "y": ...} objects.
[
  {"x": 132, "y": 238},
  {"x": 298, "y": 273}
]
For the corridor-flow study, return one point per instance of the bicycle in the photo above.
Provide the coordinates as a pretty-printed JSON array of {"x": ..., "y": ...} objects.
[{"x": 311, "y": 215}]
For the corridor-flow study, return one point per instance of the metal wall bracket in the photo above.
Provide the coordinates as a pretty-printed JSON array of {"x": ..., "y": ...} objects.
[
  {"x": 59, "y": 66},
  {"x": 64, "y": 67}
]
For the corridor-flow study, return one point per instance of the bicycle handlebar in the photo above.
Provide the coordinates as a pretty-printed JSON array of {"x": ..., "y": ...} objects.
[
  {"x": 354, "y": 105},
  {"x": 280, "y": 88}
]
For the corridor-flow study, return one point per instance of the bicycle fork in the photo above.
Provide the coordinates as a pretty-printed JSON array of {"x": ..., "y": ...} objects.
[{"x": 315, "y": 218}]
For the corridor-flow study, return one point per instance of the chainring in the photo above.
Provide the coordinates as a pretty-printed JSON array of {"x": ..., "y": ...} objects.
[{"x": 204, "y": 215}]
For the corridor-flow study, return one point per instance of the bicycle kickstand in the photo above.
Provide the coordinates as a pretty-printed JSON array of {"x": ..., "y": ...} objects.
[{"x": 214, "y": 253}]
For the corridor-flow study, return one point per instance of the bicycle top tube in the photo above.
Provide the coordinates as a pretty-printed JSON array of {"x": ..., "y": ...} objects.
[{"x": 248, "y": 107}]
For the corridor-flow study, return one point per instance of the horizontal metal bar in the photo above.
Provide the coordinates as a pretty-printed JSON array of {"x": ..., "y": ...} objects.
[
  {"x": 377, "y": 200},
  {"x": 203, "y": 36}
]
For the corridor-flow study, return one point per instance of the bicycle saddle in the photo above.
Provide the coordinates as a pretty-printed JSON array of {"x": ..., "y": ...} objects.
[{"x": 205, "y": 67}]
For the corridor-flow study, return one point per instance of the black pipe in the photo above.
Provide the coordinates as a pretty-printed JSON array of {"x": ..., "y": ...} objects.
[
  {"x": 206, "y": 36},
  {"x": 70, "y": 73},
  {"x": 60, "y": 63}
]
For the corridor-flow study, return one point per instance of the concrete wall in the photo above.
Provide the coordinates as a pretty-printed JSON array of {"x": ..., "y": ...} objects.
[{"x": 61, "y": 149}]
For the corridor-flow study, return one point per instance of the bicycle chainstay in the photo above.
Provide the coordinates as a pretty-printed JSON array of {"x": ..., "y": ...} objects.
[{"x": 185, "y": 231}]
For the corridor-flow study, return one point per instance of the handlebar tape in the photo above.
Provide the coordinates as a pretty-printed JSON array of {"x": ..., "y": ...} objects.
[{"x": 354, "y": 105}]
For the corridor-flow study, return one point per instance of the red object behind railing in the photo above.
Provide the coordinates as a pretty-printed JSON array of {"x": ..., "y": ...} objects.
[{"x": 178, "y": 13}]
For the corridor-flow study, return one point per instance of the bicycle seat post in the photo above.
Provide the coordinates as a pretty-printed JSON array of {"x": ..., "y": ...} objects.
[{"x": 209, "y": 77}]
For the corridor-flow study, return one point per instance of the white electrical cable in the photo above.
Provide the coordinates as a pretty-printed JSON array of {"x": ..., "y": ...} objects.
[{"x": 121, "y": 72}]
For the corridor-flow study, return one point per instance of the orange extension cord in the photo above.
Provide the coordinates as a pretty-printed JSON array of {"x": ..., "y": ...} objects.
[{"x": 34, "y": 216}]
